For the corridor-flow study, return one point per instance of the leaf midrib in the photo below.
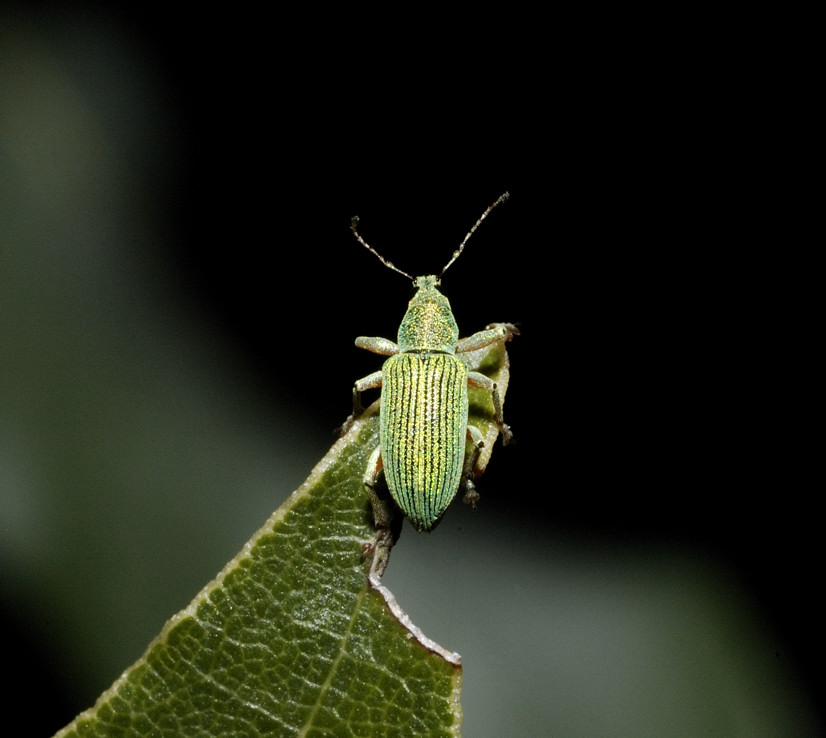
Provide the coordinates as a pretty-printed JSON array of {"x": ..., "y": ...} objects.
[{"x": 333, "y": 670}]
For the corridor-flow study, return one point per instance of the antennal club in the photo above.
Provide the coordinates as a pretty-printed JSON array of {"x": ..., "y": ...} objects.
[
  {"x": 388, "y": 264},
  {"x": 461, "y": 248}
]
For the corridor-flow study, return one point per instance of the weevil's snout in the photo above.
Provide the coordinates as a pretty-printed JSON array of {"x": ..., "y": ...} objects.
[{"x": 427, "y": 282}]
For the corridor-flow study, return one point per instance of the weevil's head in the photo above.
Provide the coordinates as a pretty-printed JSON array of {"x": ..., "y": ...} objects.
[{"x": 428, "y": 324}]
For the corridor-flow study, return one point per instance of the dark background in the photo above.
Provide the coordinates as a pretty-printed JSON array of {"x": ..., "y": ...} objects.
[{"x": 656, "y": 383}]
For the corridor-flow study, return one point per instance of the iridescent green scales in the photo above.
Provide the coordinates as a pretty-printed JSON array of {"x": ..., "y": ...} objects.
[{"x": 423, "y": 430}]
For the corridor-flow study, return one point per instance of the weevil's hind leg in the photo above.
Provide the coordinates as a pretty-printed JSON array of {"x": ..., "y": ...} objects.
[
  {"x": 486, "y": 383},
  {"x": 388, "y": 525},
  {"x": 471, "y": 460},
  {"x": 380, "y": 548}
]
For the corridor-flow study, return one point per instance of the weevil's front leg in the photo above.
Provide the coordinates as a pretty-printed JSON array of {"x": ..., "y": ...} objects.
[
  {"x": 469, "y": 471},
  {"x": 382, "y": 346},
  {"x": 493, "y": 333},
  {"x": 383, "y": 517},
  {"x": 371, "y": 381},
  {"x": 476, "y": 379}
]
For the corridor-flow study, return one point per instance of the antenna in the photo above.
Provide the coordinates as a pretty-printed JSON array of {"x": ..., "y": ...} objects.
[
  {"x": 461, "y": 248},
  {"x": 388, "y": 264}
]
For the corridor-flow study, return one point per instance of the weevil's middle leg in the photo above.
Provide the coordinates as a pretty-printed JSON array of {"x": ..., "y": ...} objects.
[
  {"x": 469, "y": 470},
  {"x": 371, "y": 381},
  {"x": 382, "y": 514},
  {"x": 486, "y": 383},
  {"x": 494, "y": 332}
]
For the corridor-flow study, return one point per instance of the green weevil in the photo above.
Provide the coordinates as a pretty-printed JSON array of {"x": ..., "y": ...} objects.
[{"x": 424, "y": 404}]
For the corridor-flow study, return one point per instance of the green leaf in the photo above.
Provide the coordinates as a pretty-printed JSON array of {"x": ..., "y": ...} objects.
[{"x": 294, "y": 637}]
